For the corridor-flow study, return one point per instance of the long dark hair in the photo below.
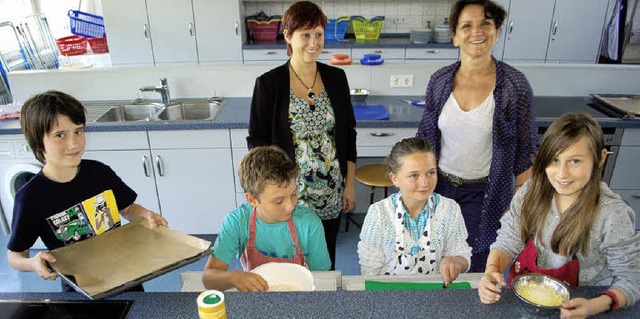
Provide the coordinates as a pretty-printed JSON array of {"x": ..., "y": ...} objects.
[{"x": 572, "y": 233}]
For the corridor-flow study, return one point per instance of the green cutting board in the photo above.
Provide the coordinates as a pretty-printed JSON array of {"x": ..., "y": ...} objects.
[{"x": 378, "y": 285}]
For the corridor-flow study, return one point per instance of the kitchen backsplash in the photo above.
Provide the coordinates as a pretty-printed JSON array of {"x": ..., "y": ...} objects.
[{"x": 401, "y": 16}]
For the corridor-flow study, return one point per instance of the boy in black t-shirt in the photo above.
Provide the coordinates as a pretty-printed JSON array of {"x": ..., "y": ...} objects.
[{"x": 70, "y": 199}]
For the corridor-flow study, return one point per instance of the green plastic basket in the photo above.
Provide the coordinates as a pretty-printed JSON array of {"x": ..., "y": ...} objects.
[{"x": 367, "y": 30}]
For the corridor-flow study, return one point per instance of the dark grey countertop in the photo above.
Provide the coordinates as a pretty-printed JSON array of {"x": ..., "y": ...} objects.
[
  {"x": 235, "y": 115},
  {"x": 332, "y": 304}
]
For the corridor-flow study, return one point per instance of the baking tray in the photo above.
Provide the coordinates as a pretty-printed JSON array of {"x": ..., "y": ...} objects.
[
  {"x": 125, "y": 257},
  {"x": 625, "y": 105}
]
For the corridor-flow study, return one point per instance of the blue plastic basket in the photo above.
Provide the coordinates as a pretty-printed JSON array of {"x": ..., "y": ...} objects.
[
  {"x": 336, "y": 29},
  {"x": 86, "y": 24}
]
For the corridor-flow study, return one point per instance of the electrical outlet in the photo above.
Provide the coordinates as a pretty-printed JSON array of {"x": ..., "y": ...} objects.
[
  {"x": 401, "y": 81},
  {"x": 400, "y": 20}
]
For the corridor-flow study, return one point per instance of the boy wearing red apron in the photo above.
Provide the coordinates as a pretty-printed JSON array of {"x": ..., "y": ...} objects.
[{"x": 270, "y": 227}]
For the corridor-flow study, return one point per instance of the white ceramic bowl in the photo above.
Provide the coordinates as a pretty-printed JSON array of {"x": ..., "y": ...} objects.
[{"x": 286, "y": 277}]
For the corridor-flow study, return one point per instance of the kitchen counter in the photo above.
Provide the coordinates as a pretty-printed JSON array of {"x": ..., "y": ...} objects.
[
  {"x": 333, "y": 304},
  {"x": 235, "y": 115}
]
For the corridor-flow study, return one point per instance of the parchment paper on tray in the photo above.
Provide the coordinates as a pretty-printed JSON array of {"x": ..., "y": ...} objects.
[
  {"x": 125, "y": 257},
  {"x": 627, "y": 104}
]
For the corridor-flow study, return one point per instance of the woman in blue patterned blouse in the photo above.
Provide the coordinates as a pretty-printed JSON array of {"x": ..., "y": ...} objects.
[{"x": 480, "y": 118}]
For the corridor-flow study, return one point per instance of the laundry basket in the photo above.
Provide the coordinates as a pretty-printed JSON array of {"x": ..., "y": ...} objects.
[
  {"x": 367, "y": 30},
  {"x": 86, "y": 24}
]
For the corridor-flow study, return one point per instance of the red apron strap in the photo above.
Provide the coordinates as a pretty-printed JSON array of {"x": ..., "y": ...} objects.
[{"x": 526, "y": 262}]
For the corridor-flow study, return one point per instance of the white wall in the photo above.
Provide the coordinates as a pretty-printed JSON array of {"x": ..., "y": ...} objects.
[{"x": 237, "y": 80}]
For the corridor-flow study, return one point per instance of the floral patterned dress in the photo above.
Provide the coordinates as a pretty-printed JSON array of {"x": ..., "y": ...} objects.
[{"x": 320, "y": 182}]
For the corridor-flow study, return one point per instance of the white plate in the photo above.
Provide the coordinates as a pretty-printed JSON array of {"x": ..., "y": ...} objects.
[{"x": 286, "y": 276}]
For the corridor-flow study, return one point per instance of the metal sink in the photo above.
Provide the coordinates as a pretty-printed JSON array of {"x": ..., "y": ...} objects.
[
  {"x": 191, "y": 110},
  {"x": 131, "y": 113}
]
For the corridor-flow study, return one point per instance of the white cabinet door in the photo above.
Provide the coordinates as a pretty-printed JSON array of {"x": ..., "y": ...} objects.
[
  {"x": 498, "y": 48},
  {"x": 575, "y": 34},
  {"x": 527, "y": 30},
  {"x": 135, "y": 169},
  {"x": 195, "y": 188},
  {"x": 173, "y": 30},
  {"x": 218, "y": 30},
  {"x": 128, "y": 32}
]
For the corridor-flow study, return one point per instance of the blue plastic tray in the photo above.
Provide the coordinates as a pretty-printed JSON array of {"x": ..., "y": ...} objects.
[{"x": 370, "y": 112}]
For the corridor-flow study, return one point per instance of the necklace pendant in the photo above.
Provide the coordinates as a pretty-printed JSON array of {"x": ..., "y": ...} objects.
[{"x": 311, "y": 95}]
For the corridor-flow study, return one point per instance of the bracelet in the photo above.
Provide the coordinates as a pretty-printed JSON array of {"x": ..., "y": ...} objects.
[
  {"x": 615, "y": 303},
  {"x": 497, "y": 265}
]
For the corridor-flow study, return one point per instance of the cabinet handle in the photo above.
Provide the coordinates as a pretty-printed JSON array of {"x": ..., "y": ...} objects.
[
  {"x": 145, "y": 30},
  {"x": 191, "y": 28},
  {"x": 610, "y": 153},
  {"x": 145, "y": 166},
  {"x": 270, "y": 52},
  {"x": 381, "y": 134},
  {"x": 555, "y": 28},
  {"x": 510, "y": 26},
  {"x": 432, "y": 51},
  {"x": 325, "y": 51},
  {"x": 159, "y": 165},
  {"x": 237, "y": 26},
  {"x": 378, "y": 51}
]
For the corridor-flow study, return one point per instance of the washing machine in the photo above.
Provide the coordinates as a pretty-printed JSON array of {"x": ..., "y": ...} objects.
[{"x": 17, "y": 167}]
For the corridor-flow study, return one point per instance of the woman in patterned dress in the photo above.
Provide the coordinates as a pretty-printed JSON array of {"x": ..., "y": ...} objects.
[
  {"x": 414, "y": 231},
  {"x": 479, "y": 117},
  {"x": 304, "y": 107}
]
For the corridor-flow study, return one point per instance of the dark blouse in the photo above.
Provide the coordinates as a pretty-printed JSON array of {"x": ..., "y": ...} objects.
[{"x": 514, "y": 138}]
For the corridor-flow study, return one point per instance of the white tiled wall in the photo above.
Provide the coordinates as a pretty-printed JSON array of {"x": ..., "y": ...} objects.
[{"x": 401, "y": 16}]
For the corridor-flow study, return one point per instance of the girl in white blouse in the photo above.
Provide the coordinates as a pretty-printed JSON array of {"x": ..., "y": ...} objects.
[{"x": 414, "y": 231}]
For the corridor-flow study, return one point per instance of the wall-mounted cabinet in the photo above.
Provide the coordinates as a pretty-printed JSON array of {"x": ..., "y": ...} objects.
[
  {"x": 552, "y": 31},
  {"x": 172, "y": 32}
]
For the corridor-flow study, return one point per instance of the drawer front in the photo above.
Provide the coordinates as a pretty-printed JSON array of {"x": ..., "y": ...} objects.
[
  {"x": 432, "y": 54},
  {"x": 625, "y": 173},
  {"x": 189, "y": 139},
  {"x": 377, "y": 142},
  {"x": 631, "y": 136},
  {"x": 631, "y": 197},
  {"x": 105, "y": 141},
  {"x": 386, "y": 53},
  {"x": 239, "y": 138},
  {"x": 265, "y": 55}
]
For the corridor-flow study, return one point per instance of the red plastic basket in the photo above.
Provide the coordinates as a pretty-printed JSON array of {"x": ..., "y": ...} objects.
[
  {"x": 72, "y": 45},
  {"x": 264, "y": 31},
  {"x": 98, "y": 45}
]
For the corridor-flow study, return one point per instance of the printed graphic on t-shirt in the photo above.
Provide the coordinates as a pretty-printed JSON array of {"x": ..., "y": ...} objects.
[{"x": 86, "y": 219}]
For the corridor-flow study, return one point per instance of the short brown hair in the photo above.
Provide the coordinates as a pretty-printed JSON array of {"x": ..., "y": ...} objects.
[
  {"x": 266, "y": 164},
  {"x": 492, "y": 11},
  {"x": 40, "y": 112},
  {"x": 302, "y": 15}
]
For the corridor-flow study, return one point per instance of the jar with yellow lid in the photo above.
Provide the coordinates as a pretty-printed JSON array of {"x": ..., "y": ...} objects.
[{"x": 211, "y": 305}]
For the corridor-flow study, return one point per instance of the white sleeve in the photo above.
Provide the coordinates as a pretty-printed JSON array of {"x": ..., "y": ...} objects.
[{"x": 371, "y": 246}]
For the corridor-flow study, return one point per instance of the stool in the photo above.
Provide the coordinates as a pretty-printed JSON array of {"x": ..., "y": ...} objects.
[{"x": 373, "y": 175}]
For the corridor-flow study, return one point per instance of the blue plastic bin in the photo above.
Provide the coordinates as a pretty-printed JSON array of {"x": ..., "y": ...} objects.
[
  {"x": 336, "y": 29},
  {"x": 86, "y": 24}
]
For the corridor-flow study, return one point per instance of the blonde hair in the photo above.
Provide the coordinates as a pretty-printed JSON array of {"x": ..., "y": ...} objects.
[
  {"x": 266, "y": 164},
  {"x": 571, "y": 235}
]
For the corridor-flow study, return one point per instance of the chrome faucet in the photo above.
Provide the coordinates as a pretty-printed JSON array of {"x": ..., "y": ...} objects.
[{"x": 163, "y": 89}]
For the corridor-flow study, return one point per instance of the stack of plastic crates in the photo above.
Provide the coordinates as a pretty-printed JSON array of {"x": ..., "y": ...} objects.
[
  {"x": 336, "y": 29},
  {"x": 367, "y": 30},
  {"x": 263, "y": 28}
]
